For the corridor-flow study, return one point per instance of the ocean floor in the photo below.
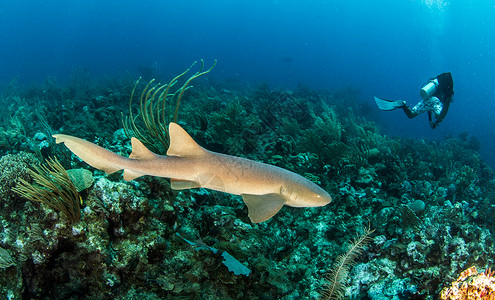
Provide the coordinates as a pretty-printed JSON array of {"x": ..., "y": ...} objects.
[{"x": 425, "y": 207}]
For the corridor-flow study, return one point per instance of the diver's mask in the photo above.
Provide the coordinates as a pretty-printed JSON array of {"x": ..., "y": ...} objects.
[{"x": 429, "y": 89}]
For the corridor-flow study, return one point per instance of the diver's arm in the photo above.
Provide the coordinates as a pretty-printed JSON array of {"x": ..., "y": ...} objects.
[
  {"x": 442, "y": 114},
  {"x": 444, "y": 111}
]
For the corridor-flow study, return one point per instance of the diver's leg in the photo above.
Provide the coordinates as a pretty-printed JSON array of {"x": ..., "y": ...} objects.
[
  {"x": 410, "y": 113},
  {"x": 416, "y": 110}
]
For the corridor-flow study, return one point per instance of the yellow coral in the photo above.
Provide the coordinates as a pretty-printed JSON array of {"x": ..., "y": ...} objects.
[{"x": 471, "y": 285}]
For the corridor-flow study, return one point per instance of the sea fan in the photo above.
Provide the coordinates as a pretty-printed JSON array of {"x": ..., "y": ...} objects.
[{"x": 336, "y": 277}]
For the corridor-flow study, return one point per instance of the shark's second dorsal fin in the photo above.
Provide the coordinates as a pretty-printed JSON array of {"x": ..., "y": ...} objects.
[
  {"x": 181, "y": 143},
  {"x": 139, "y": 151}
]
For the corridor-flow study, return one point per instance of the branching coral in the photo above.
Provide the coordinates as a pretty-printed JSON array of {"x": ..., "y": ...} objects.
[
  {"x": 156, "y": 111},
  {"x": 335, "y": 289},
  {"x": 52, "y": 187},
  {"x": 328, "y": 125}
]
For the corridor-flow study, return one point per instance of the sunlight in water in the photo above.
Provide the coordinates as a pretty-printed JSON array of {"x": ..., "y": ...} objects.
[
  {"x": 439, "y": 5},
  {"x": 436, "y": 12}
]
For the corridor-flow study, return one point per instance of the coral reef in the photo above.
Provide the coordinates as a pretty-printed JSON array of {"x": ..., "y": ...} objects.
[
  {"x": 429, "y": 202},
  {"x": 471, "y": 285}
]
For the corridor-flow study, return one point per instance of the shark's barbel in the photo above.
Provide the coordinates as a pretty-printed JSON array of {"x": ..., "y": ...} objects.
[{"x": 264, "y": 188}]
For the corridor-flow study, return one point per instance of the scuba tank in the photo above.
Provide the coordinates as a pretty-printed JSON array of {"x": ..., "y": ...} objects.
[
  {"x": 429, "y": 89},
  {"x": 442, "y": 84}
]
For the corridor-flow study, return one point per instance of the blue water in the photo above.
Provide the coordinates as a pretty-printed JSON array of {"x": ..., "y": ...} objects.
[{"x": 386, "y": 48}]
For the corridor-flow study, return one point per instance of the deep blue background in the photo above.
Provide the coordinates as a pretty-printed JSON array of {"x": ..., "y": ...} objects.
[{"x": 386, "y": 48}]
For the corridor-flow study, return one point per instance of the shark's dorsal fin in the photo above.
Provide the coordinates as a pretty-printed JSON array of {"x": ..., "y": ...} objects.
[{"x": 181, "y": 143}]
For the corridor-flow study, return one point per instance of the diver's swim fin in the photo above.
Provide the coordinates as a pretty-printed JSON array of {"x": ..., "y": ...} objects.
[{"x": 384, "y": 104}]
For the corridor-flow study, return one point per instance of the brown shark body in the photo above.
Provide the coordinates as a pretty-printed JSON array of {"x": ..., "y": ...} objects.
[{"x": 264, "y": 188}]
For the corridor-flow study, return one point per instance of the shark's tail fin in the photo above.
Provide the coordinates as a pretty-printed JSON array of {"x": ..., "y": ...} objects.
[
  {"x": 384, "y": 104},
  {"x": 103, "y": 159},
  {"x": 92, "y": 154}
]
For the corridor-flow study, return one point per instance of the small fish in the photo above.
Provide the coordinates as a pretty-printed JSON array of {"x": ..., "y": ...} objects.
[{"x": 264, "y": 188}]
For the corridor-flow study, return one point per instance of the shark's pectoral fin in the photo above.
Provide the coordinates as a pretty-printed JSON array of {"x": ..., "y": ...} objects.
[
  {"x": 262, "y": 207},
  {"x": 179, "y": 184}
]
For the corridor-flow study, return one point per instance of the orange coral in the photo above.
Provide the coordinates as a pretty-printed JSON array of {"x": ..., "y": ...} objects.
[{"x": 471, "y": 285}]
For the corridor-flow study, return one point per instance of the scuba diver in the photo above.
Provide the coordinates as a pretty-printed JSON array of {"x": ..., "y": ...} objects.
[{"x": 436, "y": 97}]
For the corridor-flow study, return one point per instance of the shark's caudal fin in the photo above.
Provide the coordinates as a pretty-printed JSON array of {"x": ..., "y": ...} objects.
[
  {"x": 92, "y": 154},
  {"x": 181, "y": 144}
]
